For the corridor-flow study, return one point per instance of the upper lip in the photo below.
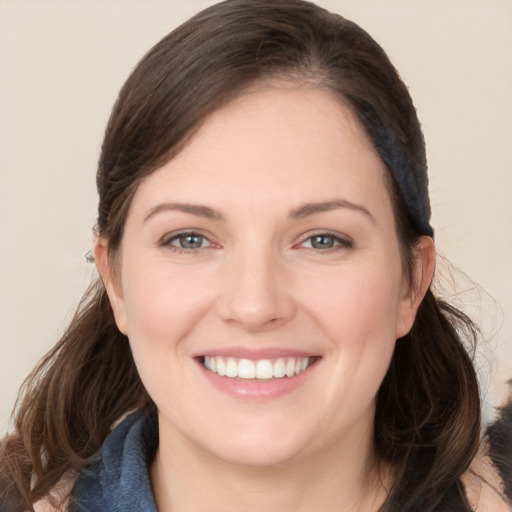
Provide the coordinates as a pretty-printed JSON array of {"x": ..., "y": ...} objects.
[{"x": 254, "y": 353}]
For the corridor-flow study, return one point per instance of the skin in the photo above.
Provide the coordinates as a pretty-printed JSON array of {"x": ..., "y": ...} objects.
[
  {"x": 484, "y": 487},
  {"x": 257, "y": 282}
]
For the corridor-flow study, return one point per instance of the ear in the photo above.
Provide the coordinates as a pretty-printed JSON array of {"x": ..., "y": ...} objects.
[
  {"x": 111, "y": 279},
  {"x": 413, "y": 292}
]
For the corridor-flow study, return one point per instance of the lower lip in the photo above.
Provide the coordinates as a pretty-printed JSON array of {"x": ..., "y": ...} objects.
[{"x": 250, "y": 389}]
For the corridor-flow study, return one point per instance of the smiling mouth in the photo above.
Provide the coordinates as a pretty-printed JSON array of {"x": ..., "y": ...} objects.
[{"x": 262, "y": 369}]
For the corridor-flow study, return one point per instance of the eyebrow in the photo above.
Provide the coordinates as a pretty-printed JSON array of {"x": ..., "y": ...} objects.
[
  {"x": 307, "y": 209},
  {"x": 304, "y": 210},
  {"x": 194, "y": 209}
]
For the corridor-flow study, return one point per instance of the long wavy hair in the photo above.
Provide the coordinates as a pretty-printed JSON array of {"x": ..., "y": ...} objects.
[{"x": 427, "y": 420}]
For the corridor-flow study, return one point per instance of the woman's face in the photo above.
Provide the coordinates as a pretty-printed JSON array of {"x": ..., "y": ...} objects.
[{"x": 265, "y": 250}]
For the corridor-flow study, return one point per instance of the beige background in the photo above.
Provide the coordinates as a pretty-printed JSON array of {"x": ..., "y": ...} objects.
[{"x": 62, "y": 63}]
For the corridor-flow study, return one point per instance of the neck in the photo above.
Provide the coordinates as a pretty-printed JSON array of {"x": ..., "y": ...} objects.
[{"x": 186, "y": 479}]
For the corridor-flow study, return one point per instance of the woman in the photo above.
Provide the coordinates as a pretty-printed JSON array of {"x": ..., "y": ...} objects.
[{"x": 264, "y": 316}]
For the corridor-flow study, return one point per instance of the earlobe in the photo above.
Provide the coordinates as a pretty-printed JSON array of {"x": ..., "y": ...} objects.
[
  {"x": 423, "y": 272},
  {"x": 111, "y": 280}
]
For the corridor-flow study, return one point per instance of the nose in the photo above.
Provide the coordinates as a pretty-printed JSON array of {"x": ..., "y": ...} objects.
[{"x": 256, "y": 295}]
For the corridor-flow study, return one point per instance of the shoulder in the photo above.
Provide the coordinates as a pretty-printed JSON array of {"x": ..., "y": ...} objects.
[
  {"x": 58, "y": 501},
  {"x": 488, "y": 481},
  {"x": 499, "y": 439},
  {"x": 484, "y": 486},
  {"x": 46, "y": 506}
]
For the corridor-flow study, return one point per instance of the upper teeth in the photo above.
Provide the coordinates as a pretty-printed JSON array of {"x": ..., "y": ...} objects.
[{"x": 261, "y": 369}]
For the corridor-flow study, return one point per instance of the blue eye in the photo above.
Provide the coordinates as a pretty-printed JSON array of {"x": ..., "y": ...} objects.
[
  {"x": 187, "y": 241},
  {"x": 326, "y": 241}
]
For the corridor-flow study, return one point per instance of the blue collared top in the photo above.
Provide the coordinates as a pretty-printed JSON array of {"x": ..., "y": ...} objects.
[{"x": 117, "y": 480}]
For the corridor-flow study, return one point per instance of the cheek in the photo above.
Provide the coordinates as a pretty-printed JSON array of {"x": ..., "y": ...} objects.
[
  {"x": 358, "y": 314},
  {"x": 162, "y": 310},
  {"x": 162, "y": 307},
  {"x": 356, "y": 309},
  {"x": 358, "y": 303}
]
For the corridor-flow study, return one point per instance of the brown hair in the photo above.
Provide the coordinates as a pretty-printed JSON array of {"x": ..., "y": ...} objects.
[{"x": 428, "y": 412}]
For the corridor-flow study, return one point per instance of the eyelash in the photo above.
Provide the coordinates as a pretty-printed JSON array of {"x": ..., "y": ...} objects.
[
  {"x": 339, "y": 243},
  {"x": 168, "y": 242}
]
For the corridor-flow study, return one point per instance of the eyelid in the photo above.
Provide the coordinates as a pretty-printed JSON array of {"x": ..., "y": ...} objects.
[
  {"x": 342, "y": 241},
  {"x": 167, "y": 239}
]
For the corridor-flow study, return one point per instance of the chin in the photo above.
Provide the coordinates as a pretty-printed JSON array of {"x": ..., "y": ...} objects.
[
  {"x": 261, "y": 446},
  {"x": 258, "y": 455}
]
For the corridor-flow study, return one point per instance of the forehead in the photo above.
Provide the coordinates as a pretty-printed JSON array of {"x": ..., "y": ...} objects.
[{"x": 272, "y": 145}]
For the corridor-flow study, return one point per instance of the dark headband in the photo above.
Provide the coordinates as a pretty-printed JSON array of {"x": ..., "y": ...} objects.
[{"x": 410, "y": 174}]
